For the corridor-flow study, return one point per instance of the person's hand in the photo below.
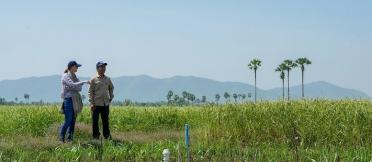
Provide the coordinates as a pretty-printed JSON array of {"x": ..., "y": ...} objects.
[
  {"x": 61, "y": 111},
  {"x": 92, "y": 108}
]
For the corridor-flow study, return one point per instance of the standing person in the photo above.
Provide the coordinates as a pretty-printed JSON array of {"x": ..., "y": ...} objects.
[
  {"x": 72, "y": 102},
  {"x": 101, "y": 93}
]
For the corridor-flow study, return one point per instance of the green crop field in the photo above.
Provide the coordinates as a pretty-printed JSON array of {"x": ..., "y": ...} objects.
[{"x": 313, "y": 130}]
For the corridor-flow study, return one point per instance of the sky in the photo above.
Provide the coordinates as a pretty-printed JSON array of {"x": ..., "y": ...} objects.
[{"x": 205, "y": 38}]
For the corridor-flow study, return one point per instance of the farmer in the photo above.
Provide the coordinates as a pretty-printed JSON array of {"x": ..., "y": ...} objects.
[
  {"x": 101, "y": 93},
  {"x": 72, "y": 102}
]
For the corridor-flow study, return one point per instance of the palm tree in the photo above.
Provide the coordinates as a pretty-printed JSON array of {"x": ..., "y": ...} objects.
[
  {"x": 227, "y": 96},
  {"x": 2, "y": 100},
  {"x": 217, "y": 97},
  {"x": 249, "y": 96},
  {"x": 186, "y": 95},
  {"x": 192, "y": 97},
  {"x": 197, "y": 101},
  {"x": 289, "y": 65},
  {"x": 204, "y": 99},
  {"x": 176, "y": 99},
  {"x": 235, "y": 96},
  {"x": 253, "y": 65},
  {"x": 244, "y": 96},
  {"x": 302, "y": 62},
  {"x": 169, "y": 96},
  {"x": 282, "y": 68},
  {"x": 27, "y": 97}
]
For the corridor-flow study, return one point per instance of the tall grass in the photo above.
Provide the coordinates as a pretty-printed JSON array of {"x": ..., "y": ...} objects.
[{"x": 295, "y": 131}]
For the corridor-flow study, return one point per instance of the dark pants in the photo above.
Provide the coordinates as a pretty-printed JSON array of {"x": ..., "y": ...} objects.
[
  {"x": 104, "y": 111},
  {"x": 69, "y": 124}
]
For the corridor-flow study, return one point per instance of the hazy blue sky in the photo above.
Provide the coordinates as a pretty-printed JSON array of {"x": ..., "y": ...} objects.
[{"x": 206, "y": 38}]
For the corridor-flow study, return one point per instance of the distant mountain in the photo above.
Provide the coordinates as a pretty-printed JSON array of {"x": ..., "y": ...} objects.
[
  {"x": 321, "y": 89},
  {"x": 148, "y": 89}
]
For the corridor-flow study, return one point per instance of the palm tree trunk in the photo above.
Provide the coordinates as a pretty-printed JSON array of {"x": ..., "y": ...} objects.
[
  {"x": 288, "y": 86},
  {"x": 303, "y": 87},
  {"x": 255, "y": 86},
  {"x": 283, "y": 90}
]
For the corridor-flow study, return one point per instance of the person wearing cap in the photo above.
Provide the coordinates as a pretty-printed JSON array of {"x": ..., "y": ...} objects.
[
  {"x": 101, "y": 93},
  {"x": 72, "y": 102}
]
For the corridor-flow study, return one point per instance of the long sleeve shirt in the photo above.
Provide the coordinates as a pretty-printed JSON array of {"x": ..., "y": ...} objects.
[
  {"x": 69, "y": 86},
  {"x": 101, "y": 91}
]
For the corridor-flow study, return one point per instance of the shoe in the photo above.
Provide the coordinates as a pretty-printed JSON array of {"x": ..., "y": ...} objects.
[
  {"x": 108, "y": 138},
  {"x": 61, "y": 140},
  {"x": 69, "y": 140}
]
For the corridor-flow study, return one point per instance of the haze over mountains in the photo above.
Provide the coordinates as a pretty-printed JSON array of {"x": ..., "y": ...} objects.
[{"x": 144, "y": 88}]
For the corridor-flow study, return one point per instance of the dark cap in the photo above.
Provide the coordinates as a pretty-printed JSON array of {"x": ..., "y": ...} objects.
[
  {"x": 73, "y": 63},
  {"x": 101, "y": 63}
]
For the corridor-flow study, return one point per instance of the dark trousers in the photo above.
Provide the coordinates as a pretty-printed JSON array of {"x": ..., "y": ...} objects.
[
  {"x": 104, "y": 111},
  {"x": 70, "y": 119}
]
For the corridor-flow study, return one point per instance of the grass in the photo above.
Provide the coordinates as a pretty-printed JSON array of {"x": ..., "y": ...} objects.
[{"x": 312, "y": 130}]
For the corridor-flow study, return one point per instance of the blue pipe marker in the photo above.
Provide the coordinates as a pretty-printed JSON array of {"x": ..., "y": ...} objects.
[
  {"x": 187, "y": 138},
  {"x": 187, "y": 142}
]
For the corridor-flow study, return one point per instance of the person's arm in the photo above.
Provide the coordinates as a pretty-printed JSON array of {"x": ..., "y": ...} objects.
[
  {"x": 91, "y": 93},
  {"x": 111, "y": 90},
  {"x": 72, "y": 86}
]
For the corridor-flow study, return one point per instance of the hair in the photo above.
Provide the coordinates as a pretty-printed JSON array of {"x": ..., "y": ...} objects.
[{"x": 66, "y": 70}]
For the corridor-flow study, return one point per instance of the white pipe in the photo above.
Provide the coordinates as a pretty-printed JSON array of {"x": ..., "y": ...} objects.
[{"x": 166, "y": 155}]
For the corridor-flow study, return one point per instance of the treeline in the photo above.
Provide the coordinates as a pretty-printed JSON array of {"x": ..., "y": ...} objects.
[
  {"x": 3, "y": 101},
  {"x": 284, "y": 69},
  {"x": 187, "y": 98}
]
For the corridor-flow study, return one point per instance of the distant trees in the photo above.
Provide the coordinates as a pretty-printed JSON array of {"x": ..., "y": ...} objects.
[
  {"x": 2, "y": 101},
  {"x": 169, "y": 96},
  {"x": 217, "y": 97},
  {"x": 176, "y": 98},
  {"x": 204, "y": 99},
  {"x": 235, "y": 96},
  {"x": 185, "y": 98},
  {"x": 127, "y": 102},
  {"x": 284, "y": 69},
  {"x": 26, "y": 97},
  {"x": 249, "y": 96},
  {"x": 226, "y": 95},
  {"x": 189, "y": 97},
  {"x": 244, "y": 96},
  {"x": 192, "y": 97},
  {"x": 253, "y": 65},
  {"x": 289, "y": 65}
]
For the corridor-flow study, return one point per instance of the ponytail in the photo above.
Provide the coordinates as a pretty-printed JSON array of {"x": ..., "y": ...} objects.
[{"x": 66, "y": 71}]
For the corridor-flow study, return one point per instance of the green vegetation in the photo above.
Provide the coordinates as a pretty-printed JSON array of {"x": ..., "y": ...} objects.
[{"x": 317, "y": 130}]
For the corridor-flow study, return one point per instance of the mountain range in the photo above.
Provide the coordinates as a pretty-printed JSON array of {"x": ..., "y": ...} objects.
[{"x": 144, "y": 88}]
